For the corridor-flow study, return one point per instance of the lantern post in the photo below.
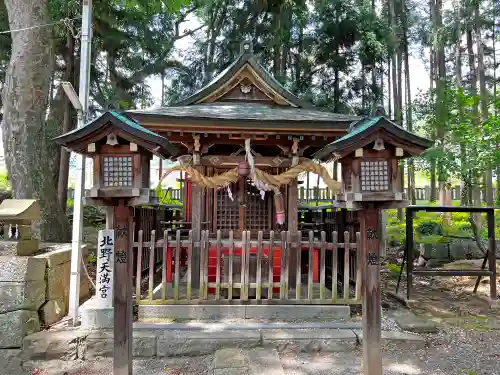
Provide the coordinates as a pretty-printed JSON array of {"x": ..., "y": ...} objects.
[
  {"x": 121, "y": 151},
  {"x": 369, "y": 155}
]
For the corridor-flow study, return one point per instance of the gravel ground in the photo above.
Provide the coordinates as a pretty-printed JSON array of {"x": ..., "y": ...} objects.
[{"x": 452, "y": 351}]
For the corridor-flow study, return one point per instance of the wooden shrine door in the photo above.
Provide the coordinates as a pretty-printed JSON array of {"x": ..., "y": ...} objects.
[{"x": 247, "y": 210}]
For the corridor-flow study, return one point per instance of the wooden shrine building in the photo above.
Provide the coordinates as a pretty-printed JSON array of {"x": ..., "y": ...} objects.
[
  {"x": 243, "y": 102},
  {"x": 243, "y": 141}
]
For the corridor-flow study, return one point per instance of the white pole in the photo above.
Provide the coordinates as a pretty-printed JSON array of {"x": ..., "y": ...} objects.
[{"x": 76, "y": 248}]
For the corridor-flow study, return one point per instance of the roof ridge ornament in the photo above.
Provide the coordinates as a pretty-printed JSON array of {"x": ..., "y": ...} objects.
[{"x": 246, "y": 46}]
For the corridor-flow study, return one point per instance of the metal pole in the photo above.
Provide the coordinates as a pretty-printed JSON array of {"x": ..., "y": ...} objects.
[{"x": 76, "y": 249}]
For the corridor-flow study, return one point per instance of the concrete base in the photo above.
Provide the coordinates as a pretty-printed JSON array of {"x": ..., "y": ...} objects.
[
  {"x": 94, "y": 316},
  {"x": 221, "y": 312}
]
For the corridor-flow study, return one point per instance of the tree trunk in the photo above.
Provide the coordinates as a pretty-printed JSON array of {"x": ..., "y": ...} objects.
[
  {"x": 488, "y": 175},
  {"x": 441, "y": 106},
  {"x": 409, "y": 114},
  {"x": 62, "y": 185},
  {"x": 26, "y": 134}
]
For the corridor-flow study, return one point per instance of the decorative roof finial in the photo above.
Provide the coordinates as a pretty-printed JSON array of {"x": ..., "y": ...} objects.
[{"x": 246, "y": 46}]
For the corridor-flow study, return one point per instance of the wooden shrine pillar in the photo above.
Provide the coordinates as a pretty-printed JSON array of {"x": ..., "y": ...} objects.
[
  {"x": 292, "y": 215},
  {"x": 370, "y": 284},
  {"x": 293, "y": 218},
  {"x": 196, "y": 219},
  {"x": 122, "y": 294}
]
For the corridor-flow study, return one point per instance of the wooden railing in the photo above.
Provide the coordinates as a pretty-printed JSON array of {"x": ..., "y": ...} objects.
[
  {"x": 245, "y": 270},
  {"x": 421, "y": 193}
]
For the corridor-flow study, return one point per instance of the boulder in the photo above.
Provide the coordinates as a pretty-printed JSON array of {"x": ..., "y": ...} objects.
[
  {"x": 28, "y": 295},
  {"x": 19, "y": 269},
  {"x": 53, "y": 311},
  {"x": 58, "y": 282},
  {"x": 16, "y": 325}
]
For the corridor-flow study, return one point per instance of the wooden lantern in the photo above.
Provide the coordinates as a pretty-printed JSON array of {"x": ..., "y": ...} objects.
[
  {"x": 121, "y": 151},
  {"x": 369, "y": 156}
]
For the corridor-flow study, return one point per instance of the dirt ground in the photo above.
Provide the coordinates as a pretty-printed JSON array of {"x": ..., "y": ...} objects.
[{"x": 448, "y": 299}]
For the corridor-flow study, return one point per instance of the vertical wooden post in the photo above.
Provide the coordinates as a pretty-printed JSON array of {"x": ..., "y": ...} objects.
[
  {"x": 293, "y": 217},
  {"x": 196, "y": 212},
  {"x": 122, "y": 357},
  {"x": 372, "y": 313},
  {"x": 409, "y": 252},
  {"x": 492, "y": 257}
]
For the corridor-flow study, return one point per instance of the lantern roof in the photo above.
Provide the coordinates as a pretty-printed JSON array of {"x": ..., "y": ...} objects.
[
  {"x": 367, "y": 131},
  {"x": 113, "y": 122}
]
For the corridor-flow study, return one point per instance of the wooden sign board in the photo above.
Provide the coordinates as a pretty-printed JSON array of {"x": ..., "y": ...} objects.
[{"x": 105, "y": 267}]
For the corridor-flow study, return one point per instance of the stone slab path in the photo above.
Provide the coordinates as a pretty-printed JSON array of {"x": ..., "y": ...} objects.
[{"x": 257, "y": 361}]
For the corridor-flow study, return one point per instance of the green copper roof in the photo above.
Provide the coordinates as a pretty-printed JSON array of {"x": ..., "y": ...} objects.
[
  {"x": 123, "y": 123},
  {"x": 365, "y": 128},
  {"x": 360, "y": 127}
]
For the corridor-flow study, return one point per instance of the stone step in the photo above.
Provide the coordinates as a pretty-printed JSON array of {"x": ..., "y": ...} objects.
[
  {"x": 223, "y": 312},
  {"x": 82, "y": 344}
]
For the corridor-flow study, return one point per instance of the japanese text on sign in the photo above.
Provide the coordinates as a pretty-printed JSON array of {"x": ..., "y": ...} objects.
[
  {"x": 105, "y": 266},
  {"x": 371, "y": 234},
  {"x": 121, "y": 256},
  {"x": 372, "y": 259}
]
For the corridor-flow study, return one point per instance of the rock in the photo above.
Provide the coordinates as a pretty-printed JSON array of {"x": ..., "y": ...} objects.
[
  {"x": 16, "y": 325},
  {"x": 24, "y": 247},
  {"x": 408, "y": 321},
  {"x": 99, "y": 343},
  {"x": 28, "y": 295},
  {"x": 11, "y": 361},
  {"x": 58, "y": 282},
  {"x": 49, "y": 345},
  {"x": 53, "y": 311},
  {"x": 14, "y": 268},
  {"x": 56, "y": 254}
]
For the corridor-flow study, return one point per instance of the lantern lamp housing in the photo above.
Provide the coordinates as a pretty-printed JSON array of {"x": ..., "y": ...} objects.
[
  {"x": 121, "y": 151},
  {"x": 369, "y": 156}
]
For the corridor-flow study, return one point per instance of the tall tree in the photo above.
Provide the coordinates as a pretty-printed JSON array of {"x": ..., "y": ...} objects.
[{"x": 26, "y": 135}]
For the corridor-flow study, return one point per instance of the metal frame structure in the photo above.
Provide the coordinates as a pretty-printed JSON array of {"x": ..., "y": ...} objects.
[{"x": 490, "y": 256}]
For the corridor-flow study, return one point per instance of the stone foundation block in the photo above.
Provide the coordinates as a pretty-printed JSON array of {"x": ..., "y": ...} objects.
[
  {"x": 98, "y": 343},
  {"x": 11, "y": 361},
  {"x": 28, "y": 295},
  {"x": 197, "y": 312},
  {"x": 15, "y": 325},
  {"x": 312, "y": 340},
  {"x": 185, "y": 343},
  {"x": 94, "y": 316},
  {"x": 53, "y": 311},
  {"x": 298, "y": 312},
  {"x": 49, "y": 345},
  {"x": 22, "y": 248},
  {"x": 20, "y": 269},
  {"x": 58, "y": 282}
]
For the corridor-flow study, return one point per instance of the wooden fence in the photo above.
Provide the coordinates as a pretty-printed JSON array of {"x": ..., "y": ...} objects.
[
  {"x": 248, "y": 271},
  {"x": 421, "y": 194}
]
